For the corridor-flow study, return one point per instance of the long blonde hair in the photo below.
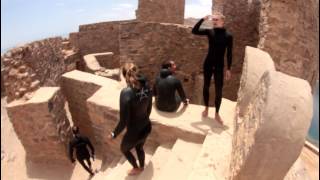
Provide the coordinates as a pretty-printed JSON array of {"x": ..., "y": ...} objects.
[{"x": 130, "y": 72}]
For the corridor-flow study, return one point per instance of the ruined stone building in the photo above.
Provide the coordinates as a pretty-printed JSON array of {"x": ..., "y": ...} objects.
[{"x": 82, "y": 73}]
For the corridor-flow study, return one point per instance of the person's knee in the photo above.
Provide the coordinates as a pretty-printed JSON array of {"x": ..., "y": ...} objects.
[{"x": 124, "y": 148}]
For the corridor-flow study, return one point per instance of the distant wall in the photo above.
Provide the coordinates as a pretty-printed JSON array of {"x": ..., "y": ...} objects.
[
  {"x": 40, "y": 63},
  {"x": 98, "y": 38},
  {"x": 166, "y": 11}
]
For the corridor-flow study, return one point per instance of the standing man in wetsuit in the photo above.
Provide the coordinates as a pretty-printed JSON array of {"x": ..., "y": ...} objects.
[
  {"x": 219, "y": 41},
  {"x": 80, "y": 143},
  {"x": 165, "y": 88}
]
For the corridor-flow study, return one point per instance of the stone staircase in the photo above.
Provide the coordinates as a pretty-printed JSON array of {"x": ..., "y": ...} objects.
[{"x": 185, "y": 160}]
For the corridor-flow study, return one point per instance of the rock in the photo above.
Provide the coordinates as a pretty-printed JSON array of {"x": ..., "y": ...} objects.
[{"x": 35, "y": 84}]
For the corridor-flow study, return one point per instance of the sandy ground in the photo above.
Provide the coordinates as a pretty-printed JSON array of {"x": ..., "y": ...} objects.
[{"x": 14, "y": 165}]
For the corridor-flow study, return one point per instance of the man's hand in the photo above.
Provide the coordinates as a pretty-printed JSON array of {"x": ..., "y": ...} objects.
[
  {"x": 228, "y": 75},
  {"x": 206, "y": 17}
]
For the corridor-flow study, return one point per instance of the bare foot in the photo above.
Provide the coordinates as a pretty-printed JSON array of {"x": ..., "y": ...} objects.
[
  {"x": 134, "y": 171},
  {"x": 218, "y": 118},
  {"x": 205, "y": 113}
]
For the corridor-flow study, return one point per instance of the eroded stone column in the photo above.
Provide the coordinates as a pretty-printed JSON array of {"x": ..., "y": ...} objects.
[
  {"x": 256, "y": 62},
  {"x": 271, "y": 134},
  {"x": 42, "y": 126}
]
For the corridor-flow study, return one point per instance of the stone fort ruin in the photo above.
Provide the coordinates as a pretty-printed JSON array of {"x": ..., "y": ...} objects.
[{"x": 274, "y": 70}]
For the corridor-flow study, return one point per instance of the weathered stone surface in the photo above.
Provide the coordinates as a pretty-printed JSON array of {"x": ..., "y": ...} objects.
[
  {"x": 270, "y": 136},
  {"x": 290, "y": 34},
  {"x": 78, "y": 86},
  {"x": 97, "y": 38},
  {"x": 298, "y": 171},
  {"x": 256, "y": 62},
  {"x": 98, "y": 62},
  {"x": 2, "y": 82},
  {"x": 166, "y": 11},
  {"x": 42, "y": 62},
  {"x": 42, "y": 126},
  {"x": 242, "y": 18}
]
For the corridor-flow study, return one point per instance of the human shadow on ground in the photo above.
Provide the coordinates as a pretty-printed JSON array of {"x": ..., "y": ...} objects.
[
  {"x": 49, "y": 170},
  {"x": 209, "y": 124}
]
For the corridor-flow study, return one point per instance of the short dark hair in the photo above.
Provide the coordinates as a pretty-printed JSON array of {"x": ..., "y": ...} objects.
[
  {"x": 167, "y": 64},
  {"x": 75, "y": 129}
]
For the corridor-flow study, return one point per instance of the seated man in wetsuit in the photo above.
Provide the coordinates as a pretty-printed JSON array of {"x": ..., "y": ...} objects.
[
  {"x": 165, "y": 88},
  {"x": 80, "y": 143}
]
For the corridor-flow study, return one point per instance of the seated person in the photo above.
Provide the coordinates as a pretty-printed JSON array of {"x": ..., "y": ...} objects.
[{"x": 165, "y": 88}]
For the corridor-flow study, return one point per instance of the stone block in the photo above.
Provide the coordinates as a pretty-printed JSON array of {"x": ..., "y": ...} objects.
[
  {"x": 34, "y": 122},
  {"x": 271, "y": 134}
]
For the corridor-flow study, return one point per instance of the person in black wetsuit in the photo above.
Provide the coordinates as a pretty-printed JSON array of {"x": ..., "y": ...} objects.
[
  {"x": 219, "y": 41},
  {"x": 80, "y": 143},
  {"x": 165, "y": 88},
  {"x": 135, "y": 108}
]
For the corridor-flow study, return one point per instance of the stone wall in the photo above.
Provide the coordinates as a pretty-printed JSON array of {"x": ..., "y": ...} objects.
[
  {"x": 42, "y": 126},
  {"x": 98, "y": 38},
  {"x": 77, "y": 92},
  {"x": 165, "y": 11},
  {"x": 242, "y": 19},
  {"x": 265, "y": 143},
  {"x": 40, "y": 63},
  {"x": 289, "y": 34},
  {"x": 149, "y": 44}
]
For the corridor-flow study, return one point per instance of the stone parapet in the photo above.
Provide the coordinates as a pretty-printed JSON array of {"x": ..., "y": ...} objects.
[{"x": 42, "y": 126}]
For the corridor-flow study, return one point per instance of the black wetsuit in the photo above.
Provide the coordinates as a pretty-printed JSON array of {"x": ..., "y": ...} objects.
[
  {"x": 135, "y": 108},
  {"x": 219, "y": 41},
  {"x": 165, "y": 89},
  {"x": 80, "y": 143}
]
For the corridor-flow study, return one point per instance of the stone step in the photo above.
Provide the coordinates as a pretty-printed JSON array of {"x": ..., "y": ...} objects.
[
  {"x": 102, "y": 175},
  {"x": 157, "y": 161},
  {"x": 214, "y": 158},
  {"x": 180, "y": 162},
  {"x": 81, "y": 173},
  {"x": 115, "y": 162},
  {"x": 121, "y": 173}
]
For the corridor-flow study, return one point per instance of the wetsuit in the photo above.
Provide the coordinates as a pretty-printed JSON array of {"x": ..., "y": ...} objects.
[
  {"x": 219, "y": 41},
  {"x": 80, "y": 143},
  {"x": 135, "y": 108},
  {"x": 165, "y": 89}
]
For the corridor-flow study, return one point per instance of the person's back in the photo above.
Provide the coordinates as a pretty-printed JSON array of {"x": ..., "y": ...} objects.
[
  {"x": 135, "y": 109},
  {"x": 138, "y": 102},
  {"x": 80, "y": 143},
  {"x": 165, "y": 89}
]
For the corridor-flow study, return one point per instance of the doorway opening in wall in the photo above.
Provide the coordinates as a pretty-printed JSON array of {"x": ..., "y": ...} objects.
[{"x": 196, "y": 9}]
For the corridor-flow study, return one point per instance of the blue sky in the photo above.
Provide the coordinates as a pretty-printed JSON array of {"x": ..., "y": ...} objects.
[{"x": 24, "y": 21}]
